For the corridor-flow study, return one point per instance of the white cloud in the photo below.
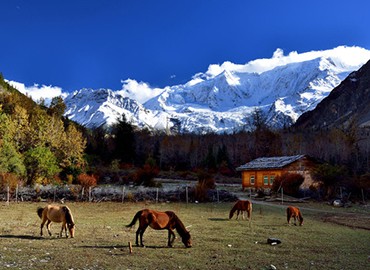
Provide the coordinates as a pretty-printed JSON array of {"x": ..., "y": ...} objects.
[
  {"x": 342, "y": 56},
  {"x": 139, "y": 91},
  {"x": 37, "y": 92}
]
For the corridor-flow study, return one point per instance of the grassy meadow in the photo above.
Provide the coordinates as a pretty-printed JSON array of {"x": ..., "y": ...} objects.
[{"x": 101, "y": 240}]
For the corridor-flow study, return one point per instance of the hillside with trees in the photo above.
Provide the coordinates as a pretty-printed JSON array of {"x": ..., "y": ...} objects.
[{"x": 37, "y": 144}]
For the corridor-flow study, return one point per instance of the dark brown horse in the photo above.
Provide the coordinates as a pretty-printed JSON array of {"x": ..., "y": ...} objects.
[
  {"x": 159, "y": 221},
  {"x": 294, "y": 212},
  {"x": 241, "y": 206},
  {"x": 54, "y": 213}
]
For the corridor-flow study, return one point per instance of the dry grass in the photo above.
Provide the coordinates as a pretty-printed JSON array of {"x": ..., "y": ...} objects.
[{"x": 101, "y": 240}]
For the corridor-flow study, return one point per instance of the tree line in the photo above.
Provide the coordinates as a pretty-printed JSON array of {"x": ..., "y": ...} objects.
[{"x": 39, "y": 145}]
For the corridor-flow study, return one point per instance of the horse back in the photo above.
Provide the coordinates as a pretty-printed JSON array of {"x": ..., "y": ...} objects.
[{"x": 160, "y": 220}]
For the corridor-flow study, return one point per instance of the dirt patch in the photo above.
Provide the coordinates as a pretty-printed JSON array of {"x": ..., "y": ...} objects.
[{"x": 352, "y": 220}]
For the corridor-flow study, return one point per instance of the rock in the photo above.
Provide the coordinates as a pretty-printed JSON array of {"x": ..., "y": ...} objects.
[{"x": 273, "y": 241}]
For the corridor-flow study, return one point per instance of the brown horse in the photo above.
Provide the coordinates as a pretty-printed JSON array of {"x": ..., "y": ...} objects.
[
  {"x": 159, "y": 221},
  {"x": 54, "y": 213},
  {"x": 241, "y": 206},
  {"x": 294, "y": 212}
]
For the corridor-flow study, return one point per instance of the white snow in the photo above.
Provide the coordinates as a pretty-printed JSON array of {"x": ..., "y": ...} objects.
[{"x": 224, "y": 97}]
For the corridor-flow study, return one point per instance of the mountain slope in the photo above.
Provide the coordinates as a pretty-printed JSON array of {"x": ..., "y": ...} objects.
[
  {"x": 224, "y": 98},
  {"x": 348, "y": 102}
]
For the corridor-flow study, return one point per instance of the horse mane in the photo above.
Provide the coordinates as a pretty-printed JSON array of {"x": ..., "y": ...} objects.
[
  {"x": 300, "y": 216},
  {"x": 179, "y": 226},
  {"x": 68, "y": 214},
  {"x": 232, "y": 211}
]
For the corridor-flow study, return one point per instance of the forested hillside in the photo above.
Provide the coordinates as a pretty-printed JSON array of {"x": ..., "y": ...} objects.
[{"x": 37, "y": 145}]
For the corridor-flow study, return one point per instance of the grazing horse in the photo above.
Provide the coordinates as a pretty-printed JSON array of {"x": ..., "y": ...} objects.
[
  {"x": 294, "y": 212},
  {"x": 159, "y": 221},
  {"x": 54, "y": 213},
  {"x": 241, "y": 206}
]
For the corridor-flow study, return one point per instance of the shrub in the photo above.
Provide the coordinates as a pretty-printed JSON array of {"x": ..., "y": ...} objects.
[
  {"x": 86, "y": 180},
  {"x": 290, "y": 182},
  {"x": 205, "y": 182},
  {"x": 145, "y": 175}
]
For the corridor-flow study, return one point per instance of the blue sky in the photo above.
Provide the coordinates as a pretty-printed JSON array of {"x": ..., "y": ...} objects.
[{"x": 74, "y": 44}]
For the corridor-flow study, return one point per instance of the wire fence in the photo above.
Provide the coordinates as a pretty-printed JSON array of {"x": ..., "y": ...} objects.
[{"x": 126, "y": 193}]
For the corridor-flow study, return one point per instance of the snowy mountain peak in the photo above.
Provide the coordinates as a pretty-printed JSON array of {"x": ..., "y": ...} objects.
[{"x": 224, "y": 97}]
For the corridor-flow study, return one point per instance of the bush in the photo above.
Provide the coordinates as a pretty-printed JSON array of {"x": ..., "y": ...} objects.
[
  {"x": 145, "y": 175},
  {"x": 86, "y": 180},
  {"x": 290, "y": 182},
  {"x": 205, "y": 182}
]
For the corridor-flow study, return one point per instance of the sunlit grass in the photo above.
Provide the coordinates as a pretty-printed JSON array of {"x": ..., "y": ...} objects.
[{"x": 101, "y": 240}]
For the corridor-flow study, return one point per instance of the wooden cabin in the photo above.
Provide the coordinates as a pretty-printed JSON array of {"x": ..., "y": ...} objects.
[{"x": 261, "y": 172}]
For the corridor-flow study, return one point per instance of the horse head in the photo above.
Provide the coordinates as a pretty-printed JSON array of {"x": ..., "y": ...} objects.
[
  {"x": 71, "y": 228},
  {"x": 186, "y": 239}
]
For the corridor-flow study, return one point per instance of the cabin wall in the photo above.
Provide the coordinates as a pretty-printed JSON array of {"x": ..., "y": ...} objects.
[{"x": 303, "y": 166}]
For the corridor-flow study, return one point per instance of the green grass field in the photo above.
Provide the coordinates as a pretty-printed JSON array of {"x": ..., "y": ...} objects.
[{"x": 101, "y": 240}]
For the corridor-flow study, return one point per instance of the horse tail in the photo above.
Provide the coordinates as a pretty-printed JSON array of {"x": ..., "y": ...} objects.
[
  {"x": 68, "y": 215},
  {"x": 136, "y": 217},
  {"x": 39, "y": 211}
]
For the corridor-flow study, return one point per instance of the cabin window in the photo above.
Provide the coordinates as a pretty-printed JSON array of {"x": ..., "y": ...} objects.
[
  {"x": 265, "y": 180},
  {"x": 272, "y": 178},
  {"x": 252, "y": 179}
]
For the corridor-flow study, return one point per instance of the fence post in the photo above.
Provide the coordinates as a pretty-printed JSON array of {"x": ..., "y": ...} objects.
[
  {"x": 187, "y": 194},
  {"x": 156, "y": 196},
  {"x": 16, "y": 194},
  {"x": 282, "y": 196},
  {"x": 7, "y": 195},
  {"x": 218, "y": 196},
  {"x": 89, "y": 194},
  {"x": 123, "y": 193},
  {"x": 363, "y": 197}
]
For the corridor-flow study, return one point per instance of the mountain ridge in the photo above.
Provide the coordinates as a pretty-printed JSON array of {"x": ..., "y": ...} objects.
[{"x": 225, "y": 101}]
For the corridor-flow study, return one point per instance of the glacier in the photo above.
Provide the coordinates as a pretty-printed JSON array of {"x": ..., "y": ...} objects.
[{"x": 223, "y": 99}]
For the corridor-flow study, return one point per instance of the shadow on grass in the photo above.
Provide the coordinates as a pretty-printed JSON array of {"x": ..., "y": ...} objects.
[
  {"x": 126, "y": 247},
  {"x": 27, "y": 237},
  {"x": 218, "y": 219}
]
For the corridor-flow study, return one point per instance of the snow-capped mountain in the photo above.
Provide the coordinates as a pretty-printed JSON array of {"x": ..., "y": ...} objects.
[{"x": 224, "y": 98}]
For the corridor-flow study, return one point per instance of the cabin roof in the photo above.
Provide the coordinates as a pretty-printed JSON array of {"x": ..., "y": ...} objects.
[{"x": 269, "y": 163}]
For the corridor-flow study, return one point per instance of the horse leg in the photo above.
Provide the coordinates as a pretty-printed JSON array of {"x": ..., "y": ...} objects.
[
  {"x": 237, "y": 214},
  {"x": 243, "y": 216},
  {"x": 140, "y": 232},
  {"x": 48, "y": 227},
  {"x": 170, "y": 241},
  {"x": 42, "y": 226},
  {"x": 64, "y": 227}
]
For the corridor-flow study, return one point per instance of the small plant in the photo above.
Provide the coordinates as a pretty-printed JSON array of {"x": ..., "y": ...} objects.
[
  {"x": 205, "y": 182},
  {"x": 145, "y": 175},
  {"x": 86, "y": 180},
  {"x": 289, "y": 182}
]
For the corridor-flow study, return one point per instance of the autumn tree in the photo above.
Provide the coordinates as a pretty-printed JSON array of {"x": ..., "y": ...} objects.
[{"x": 41, "y": 165}]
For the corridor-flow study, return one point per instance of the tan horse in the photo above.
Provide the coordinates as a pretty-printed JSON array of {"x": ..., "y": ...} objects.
[
  {"x": 294, "y": 212},
  {"x": 54, "y": 213},
  {"x": 241, "y": 206},
  {"x": 159, "y": 221}
]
